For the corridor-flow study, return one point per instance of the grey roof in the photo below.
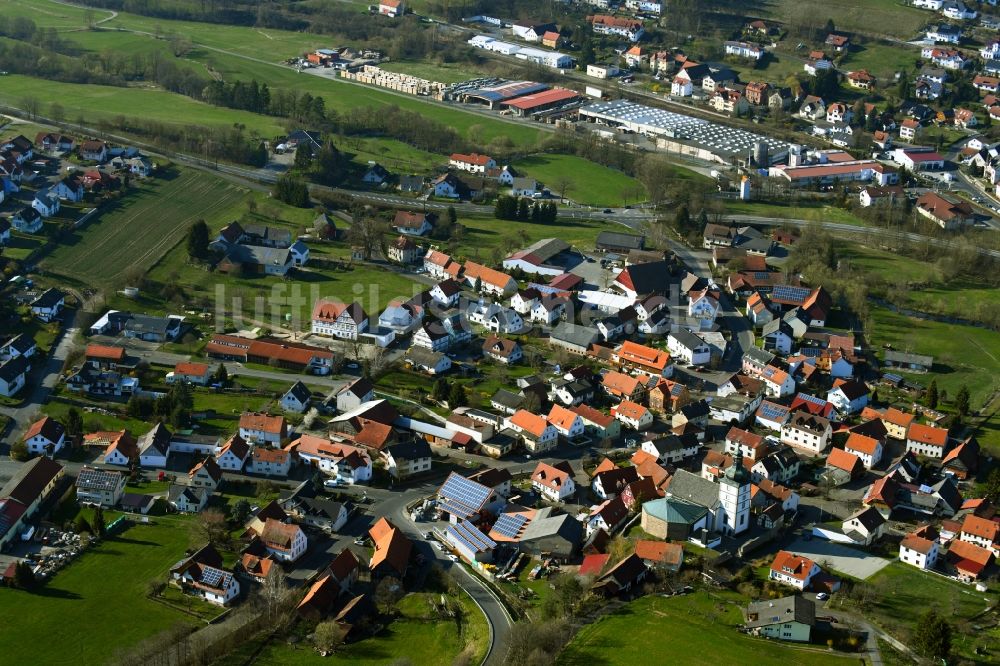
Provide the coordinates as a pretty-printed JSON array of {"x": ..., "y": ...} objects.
[
  {"x": 758, "y": 355},
  {"x": 423, "y": 357},
  {"x": 620, "y": 241},
  {"x": 776, "y": 611},
  {"x": 258, "y": 254},
  {"x": 545, "y": 524},
  {"x": 776, "y": 325},
  {"x": 914, "y": 359},
  {"x": 143, "y": 323},
  {"x": 687, "y": 338},
  {"x": 300, "y": 391},
  {"x": 693, "y": 488},
  {"x": 21, "y": 343},
  {"x": 868, "y": 516},
  {"x": 507, "y": 399},
  {"x": 573, "y": 334},
  {"x": 673, "y": 510},
  {"x": 696, "y": 409},
  {"x": 412, "y": 450},
  {"x": 48, "y": 299},
  {"x": 523, "y": 183},
  {"x": 156, "y": 441},
  {"x": 193, "y": 494},
  {"x": 10, "y": 370}
]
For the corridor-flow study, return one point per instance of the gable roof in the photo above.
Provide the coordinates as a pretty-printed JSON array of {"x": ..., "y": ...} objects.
[{"x": 925, "y": 434}]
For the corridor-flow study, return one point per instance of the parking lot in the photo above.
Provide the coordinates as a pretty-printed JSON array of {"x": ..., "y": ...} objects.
[{"x": 846, "y": 560}]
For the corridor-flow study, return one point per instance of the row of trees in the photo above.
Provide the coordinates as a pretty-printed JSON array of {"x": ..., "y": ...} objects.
[{"x": 522, "y": 208}]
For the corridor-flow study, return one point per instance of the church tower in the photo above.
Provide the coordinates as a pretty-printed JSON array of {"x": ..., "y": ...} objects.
[{"x": 734, "y": 495}]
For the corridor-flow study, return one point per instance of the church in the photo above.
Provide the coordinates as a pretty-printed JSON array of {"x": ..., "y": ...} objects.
[{"x": 699, "y": 509}]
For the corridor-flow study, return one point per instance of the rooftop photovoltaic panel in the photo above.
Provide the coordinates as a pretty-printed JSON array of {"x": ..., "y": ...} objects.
[
  {"x": 469, "y": 535},
  {"x": 805, "y": 397},
  {"x": 769, "y": 410},
  {"x": 785, "y": 292},
  {"x": 463, "y": 497},
  {"x": 212, "y": 577},
  {"x": 890, "y": 377},
  {"x": 509, "y": 524}
]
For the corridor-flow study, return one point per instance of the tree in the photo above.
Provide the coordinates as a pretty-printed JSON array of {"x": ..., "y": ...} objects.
[
  {"x": 81, "y": 525},
  {"x": 240, "y": 511},
  {"x": 457, "y": 396},
  {"x": 303, "y": 158},
  {"x": 933, "y": 636},
  {"x": 197, "y": 240},
  {"x": 317, "y": 483},
  {"x": 24, "y": 577},
  {"x": 440, "y": 390},
  {"x": 19, "y": 451},
  {"x": 211, "y": 527},
  {"x": 962, "y": 401},
  {"x": 273, "y": 591},
  {"x": 221, "y": 375},
  {"x": 388, "y": 593},
  {"x": 452, "y": 215},
  {"x": 992, "y": 491},
  {"x": 328, "y": 636},
  {"x": 932, "y": 395},
  {"x": 74, "y": 422},
  {"x": 292, "y": 191},
  {"x": 97, "y": 523}
]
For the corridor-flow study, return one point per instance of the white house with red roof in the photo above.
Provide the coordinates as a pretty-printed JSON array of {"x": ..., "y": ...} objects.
[
  {"x": 339, "y": 320},
  {"x": 554, "y": 482},
  {"x": 793, "y": 570},
  {"x": 919, "y": 549},
  {"x": 536, "y": 432},
  {"x": 391, "y": 8},
  {"x": 473, "y": 163},
  {"x": 632, "y": 415},
  {"x": 45, "y": 436}
]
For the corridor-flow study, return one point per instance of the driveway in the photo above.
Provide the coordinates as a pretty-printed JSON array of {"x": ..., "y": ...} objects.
[{"x": 847, "y": 560}]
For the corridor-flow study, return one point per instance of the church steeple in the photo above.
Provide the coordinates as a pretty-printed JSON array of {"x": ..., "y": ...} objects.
[{"x": 737, "y": 473}]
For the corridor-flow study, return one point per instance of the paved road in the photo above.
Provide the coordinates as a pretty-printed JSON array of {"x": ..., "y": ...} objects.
[{"x": 43, "y": 377}]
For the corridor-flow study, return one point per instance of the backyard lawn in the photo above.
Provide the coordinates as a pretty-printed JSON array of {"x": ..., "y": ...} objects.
[
  {"x": 795, "y": 211},
  {"x": 483, "y": 234},
  {"x": 97, "y": 604},
  {"x": 415, "y": 636},
  {"x": 699, "y": 628}
]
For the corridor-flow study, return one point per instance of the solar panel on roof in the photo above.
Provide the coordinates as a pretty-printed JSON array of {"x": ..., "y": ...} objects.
[
  {"x": 890, "y": 377},
  {"x": 811, "y": 399},
  {"x": 464, "y": 493},
  {"x": 772, "y": 411},
  {"x": 211, "y": 576},
  {"x": 509, "y": 524},
  {"x": 787, "y": 292}
]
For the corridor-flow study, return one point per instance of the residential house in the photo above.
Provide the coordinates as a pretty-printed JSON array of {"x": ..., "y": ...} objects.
[
  {"x": 48, "y": 305},
  {"x": 187, "y": 499},
  {"x": 928, "y": 441},
  {"x": 232, "y": 455},
  {"x": 632, "y": 415},
  {"x": 473, "y": 163},
  {"x": 920, "y": 549},
  {"x": 206, "y": 474},
  {"x": 502, "y": 350},
  {"x": 537, "y": 434},
  {"x": 406, "y": 459},
  {"x": 297, "y": 398},
  {"x": 185, "y": 372},
  {"x": 793, "y": 570},
  {"x": 283, "y": 541},
  {"x": 45, "y": 436},
  {"x": 260, "y": 428},
  {"x": 269, "y": 462},
  {"x": 355, "y": 394},
  {"x": 947, "y": 212},
  {"x": 46, "y": 202},
  {"x": 21, "y": 497},
  {"x": 338, "y": 320},
  {"x": 806, "y": 431},
  {"x": 553, "y": 482},
  {"x": 392, "y": 550},
  {"x": 403, "y": 251},
  {"x": 848, "y": 396},
  {"x": 99, "y": 486},
  {"x": 597, "y": 424},
  {"x": 867, "y": 449},
  {"x": 865, "y": 526},
  {"x": 789, "y": 618},
  {"x": 413, "y": 224}
]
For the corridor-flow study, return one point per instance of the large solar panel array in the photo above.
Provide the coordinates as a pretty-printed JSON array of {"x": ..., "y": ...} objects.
[
  {"x": 770, "y": 410},
  {"x": 462, "y": 497},
  {"x": 469, "y": 536},
  {"x": 510, "y": 524},
  {"x": 786, "y": 292}
]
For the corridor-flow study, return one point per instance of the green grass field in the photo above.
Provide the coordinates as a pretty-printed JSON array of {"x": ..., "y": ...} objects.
[
  {"x": 881, "y": 59},
  {"x": 415, "y": 635},
  {"x": 97, "y": 604},
  {"x": 483, "y": 234},
  {"x": 797, "y": 211},
  {"x": 589, "y": 183},
  {"x": 699, "y": 628},
  {"x": 141, "y": 227},
  {"x": 876, "y": 17},
  {"x": 47, "y": 14},
  {"x": 110, "y": 102},
  {"x": 906, "y": 593},
  {"x": 963, "y": 355}
]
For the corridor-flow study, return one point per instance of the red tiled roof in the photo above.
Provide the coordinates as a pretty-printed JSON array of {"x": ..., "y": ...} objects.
[
  {"x": 926, "y": 434},
  {"x": 263, "y": 422},
  {"x": 105, "y": 352},
  {"x": 790, "y": 564}
]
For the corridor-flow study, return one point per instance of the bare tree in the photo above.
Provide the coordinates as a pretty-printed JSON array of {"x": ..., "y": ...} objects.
[
  {"x": 388, "y": 593},
  {"x": 211, "y": 527},
  {"x": 328, "y": 636},
  {"x": 273, "y": 592}
]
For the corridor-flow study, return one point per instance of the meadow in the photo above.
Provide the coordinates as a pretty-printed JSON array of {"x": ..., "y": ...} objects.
[
  {"x": 138, "y": 229},
  {"x": 98, "y": 603},
  {"x": 699, "y": 628}
]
